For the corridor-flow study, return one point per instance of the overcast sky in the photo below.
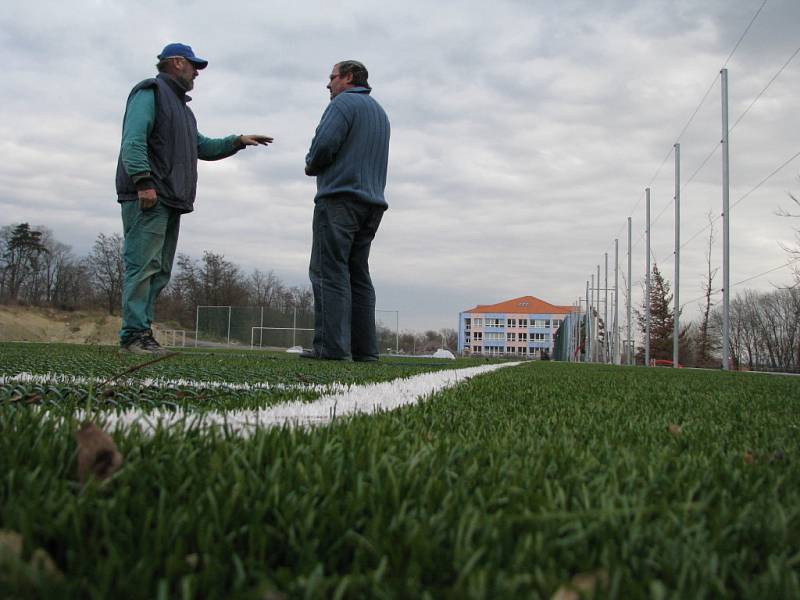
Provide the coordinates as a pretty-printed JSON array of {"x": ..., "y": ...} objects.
[{"x": 523, "y": 134}]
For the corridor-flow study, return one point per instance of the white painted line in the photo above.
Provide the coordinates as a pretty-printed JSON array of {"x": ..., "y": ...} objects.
[
  {"x": 163, "y": 383},
  {"x": 364, "y": 399}
]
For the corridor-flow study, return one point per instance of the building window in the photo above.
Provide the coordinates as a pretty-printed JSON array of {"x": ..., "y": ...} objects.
[
  {"x": 478, "y": 335},
  {"x": 523, "y": 322},
  {"x": 523, "y": 337},
  {"x": 478, "y": 322},
  {"x": 511, "y": 322},
  {"x": 511, "y": 337}
]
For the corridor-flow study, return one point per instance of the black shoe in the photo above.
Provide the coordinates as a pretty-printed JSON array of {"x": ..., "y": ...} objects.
[
  {"x": 143, "y": 343},
  {"x": 365, "y": 359}
]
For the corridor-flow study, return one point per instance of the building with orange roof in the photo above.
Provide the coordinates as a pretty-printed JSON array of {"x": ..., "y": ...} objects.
[{"x": 524, "y": 327}]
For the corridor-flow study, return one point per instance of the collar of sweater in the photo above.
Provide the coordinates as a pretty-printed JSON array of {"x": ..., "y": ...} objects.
[
  {"x": 175, "y": 86},
  {"x": 357, "y": 90}
]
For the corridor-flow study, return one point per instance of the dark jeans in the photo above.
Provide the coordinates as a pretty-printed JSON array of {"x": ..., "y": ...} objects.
[
  {"x": 344, "y": 299},
  {"x": 151, "y": 237}
]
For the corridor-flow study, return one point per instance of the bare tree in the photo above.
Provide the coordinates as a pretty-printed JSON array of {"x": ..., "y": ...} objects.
[
  {"x": 707, "y": 342},
  {"x": 793, "y": 252},
  {"x": 264, "y": 289},
  {"x": 106, "y": 267}
]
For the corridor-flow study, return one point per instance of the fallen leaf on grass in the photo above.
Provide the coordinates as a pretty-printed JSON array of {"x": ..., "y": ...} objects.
[
  {"x": 11, "y": 545},
  {"x": 42, "y": 561},
  {"x": 97, "y": 453},
  {"x": 749, "y": 458},
  {"x": 674, "y": 429},
  {"x": 31, "y": 398},
  {"x": 582, "y": 585}
]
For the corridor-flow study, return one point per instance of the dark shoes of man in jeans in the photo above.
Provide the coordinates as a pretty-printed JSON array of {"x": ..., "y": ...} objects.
[
  {"x": 142, "y": 343},
  {"x": 314, "y": 356}
]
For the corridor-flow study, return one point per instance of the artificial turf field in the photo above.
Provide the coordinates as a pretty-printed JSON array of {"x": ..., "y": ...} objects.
[{"x": 520, "y": 483}]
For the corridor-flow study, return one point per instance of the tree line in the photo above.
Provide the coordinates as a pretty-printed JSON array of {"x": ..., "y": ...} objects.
[
  {"x": 764, "y": 328},
  {"x": 38, "y": 270}
]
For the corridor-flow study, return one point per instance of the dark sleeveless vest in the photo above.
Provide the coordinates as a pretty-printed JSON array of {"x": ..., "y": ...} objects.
[{"x": 171, "y": 149}]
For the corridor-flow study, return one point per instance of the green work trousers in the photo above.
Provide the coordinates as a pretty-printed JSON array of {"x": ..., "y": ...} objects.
[{"x": 151, "y": 237}]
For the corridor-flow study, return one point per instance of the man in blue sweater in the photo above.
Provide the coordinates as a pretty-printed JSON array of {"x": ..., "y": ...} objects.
[
  {"x": 349, "y": 155},
  {"x": 157, "y": 182}
]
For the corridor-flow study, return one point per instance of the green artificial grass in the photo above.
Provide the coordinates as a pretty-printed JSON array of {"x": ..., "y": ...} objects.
[{"x": 505, "y": 486}]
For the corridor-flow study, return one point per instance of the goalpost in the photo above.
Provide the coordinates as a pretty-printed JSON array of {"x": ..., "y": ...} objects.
[{"x": 284, "y": 328}]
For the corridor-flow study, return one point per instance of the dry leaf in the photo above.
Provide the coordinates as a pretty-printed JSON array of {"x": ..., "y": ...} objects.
[
  {"x": 97, "y": 453},
  {"x": 10, "y": 543},
  {"x": 42, "y": 561},
  {"x": 582, "y": 585},
  {"x": 749, "y": 458},
  {"x": 32, "y": 398},
  {"x": 674, "y": 429}
]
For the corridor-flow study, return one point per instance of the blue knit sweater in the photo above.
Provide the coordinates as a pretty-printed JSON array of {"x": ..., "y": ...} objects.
[{"x": 350, "y": 150}]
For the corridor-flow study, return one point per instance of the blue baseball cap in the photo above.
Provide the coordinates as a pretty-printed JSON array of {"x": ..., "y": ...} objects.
[{"x": 172, "y": 50}]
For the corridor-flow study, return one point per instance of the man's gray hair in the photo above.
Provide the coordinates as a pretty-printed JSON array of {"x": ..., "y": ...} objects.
[{"x": 358, "y": 70}]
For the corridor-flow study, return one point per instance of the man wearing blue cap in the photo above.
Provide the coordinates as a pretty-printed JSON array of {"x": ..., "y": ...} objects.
[{"x": 157, "y": 182}]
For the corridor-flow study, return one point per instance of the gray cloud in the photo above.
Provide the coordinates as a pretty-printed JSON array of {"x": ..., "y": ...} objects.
[{"x": 523, "y": 136}]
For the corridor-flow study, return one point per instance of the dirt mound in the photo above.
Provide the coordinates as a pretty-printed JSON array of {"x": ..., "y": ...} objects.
[{"x": 28, "y": 324}]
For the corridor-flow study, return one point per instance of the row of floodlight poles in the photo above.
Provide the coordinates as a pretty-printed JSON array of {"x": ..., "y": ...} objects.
[{"x": 611, "y": 351}]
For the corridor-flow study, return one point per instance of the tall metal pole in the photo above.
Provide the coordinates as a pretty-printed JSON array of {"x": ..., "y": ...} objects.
[
  {"x": 607, "y": 340},
  {"x": 629, "y": 350},
  {"x": 576, "y": 331},
  {"x": 647, "y": 284},
  {"x": 586, "y": 328},
  {"x": 616, "y": 301},
  {"x": 397, "y": 332},
  {"x": 591, "y": 322},
  {"x": 229, "y": 325},
  {"x": 676, "y": 330},
  {"x": 196, "y": 325},
  {"x": 726, "y": 224},
  {"x": 597, "y": 297}
]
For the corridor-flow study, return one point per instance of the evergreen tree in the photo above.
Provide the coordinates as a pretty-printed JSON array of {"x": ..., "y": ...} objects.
[
  {"x": 20, "y": 258},
  {"x": 662, "y": 322}
]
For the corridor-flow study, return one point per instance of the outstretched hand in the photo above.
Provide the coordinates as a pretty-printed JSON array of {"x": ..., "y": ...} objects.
[{"x": 255, "y": 140}]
